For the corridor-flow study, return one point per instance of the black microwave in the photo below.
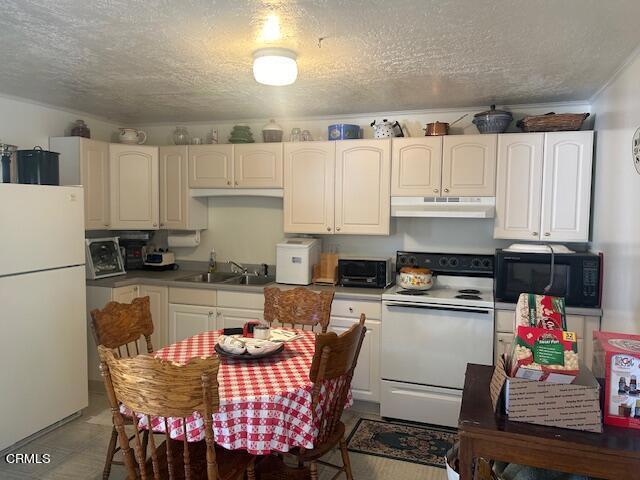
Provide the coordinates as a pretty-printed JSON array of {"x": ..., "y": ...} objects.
[
  {"x": 373, "y": 272},
  {"x": 576, "y": 276}
]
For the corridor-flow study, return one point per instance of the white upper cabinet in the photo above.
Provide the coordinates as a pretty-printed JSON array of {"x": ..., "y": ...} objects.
[
  {"x": 309, "y": 169},
  {"x": 469, "y": 165},
  {"x": 566, "y": 188},
  {"x": 258, "y": 165},
  {"x": 416, "y": 166},
  {"x": 519, "y": 186},
  {"x": 362, "y": 188},
  {"x": 544, "y": 186},
  {"x": 134, "y": 187},
  {"x": 86, "y": 162},
  {"x": 178, "y": 210},
  {"x": 211, "y": 166}
]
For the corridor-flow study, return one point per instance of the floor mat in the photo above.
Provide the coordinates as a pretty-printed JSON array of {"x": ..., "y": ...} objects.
[{"x": 409, "y": 442}]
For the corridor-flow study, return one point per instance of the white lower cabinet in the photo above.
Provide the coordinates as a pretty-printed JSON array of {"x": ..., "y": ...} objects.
[
  {"x": 366, "y": 378},
  {"x": 236, "y": 317},
  {"x": 159, "y": 303},
  {"x": 188, "y": 320}
]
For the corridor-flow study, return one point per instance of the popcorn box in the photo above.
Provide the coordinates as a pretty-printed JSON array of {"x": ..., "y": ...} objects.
[
  {"x": 544, "y": 355},
  {"x": 616, "y": 364},
  {"x": 575, "y": 406},
  {"x": 543, "y": 311}
]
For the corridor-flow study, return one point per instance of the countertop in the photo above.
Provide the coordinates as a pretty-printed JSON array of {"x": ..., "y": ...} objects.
[
  {"x": 171, "y": 278},
  {"x": 586, "y": 312}
]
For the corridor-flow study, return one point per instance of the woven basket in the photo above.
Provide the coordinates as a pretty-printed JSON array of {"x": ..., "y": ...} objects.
[{"x": 552, "y": 122}]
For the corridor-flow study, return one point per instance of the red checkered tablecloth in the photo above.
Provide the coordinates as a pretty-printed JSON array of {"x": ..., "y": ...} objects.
[{"x": 265, "y": 404}]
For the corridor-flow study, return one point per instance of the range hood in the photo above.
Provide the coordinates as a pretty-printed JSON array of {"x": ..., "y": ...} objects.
[{"x": 443, "y": 207}]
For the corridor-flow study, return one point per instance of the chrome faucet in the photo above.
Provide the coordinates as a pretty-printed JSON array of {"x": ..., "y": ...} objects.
[{"x": 239, "y": 266}]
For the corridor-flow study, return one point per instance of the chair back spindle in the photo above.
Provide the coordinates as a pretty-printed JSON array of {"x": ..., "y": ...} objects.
[{"x": 298, "y": 307}]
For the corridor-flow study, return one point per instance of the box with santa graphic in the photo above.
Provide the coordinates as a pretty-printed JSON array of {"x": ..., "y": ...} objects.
[{"x": 616, "y": 365}]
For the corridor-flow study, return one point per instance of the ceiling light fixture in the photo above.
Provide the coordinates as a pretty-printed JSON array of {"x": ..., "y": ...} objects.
[{"x": 275, "y": 66}]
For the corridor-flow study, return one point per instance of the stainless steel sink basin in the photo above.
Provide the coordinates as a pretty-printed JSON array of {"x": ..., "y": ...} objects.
[
  {"x": 216, "y": 277},
  {"x": 250, "y": 280}
]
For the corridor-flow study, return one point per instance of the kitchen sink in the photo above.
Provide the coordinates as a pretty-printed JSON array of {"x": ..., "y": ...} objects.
[
  {"x": 250, "y": 280},
  {"x": 215, "y": 277}
]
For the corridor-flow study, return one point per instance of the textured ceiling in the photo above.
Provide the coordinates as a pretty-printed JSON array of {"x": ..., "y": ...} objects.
[{"x": 143, "y": 61}]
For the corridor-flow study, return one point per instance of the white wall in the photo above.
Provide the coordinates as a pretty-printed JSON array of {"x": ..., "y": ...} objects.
[
  {"x": 616, "y": 230},
  {"x": 27, "y": 124},
  {"x": 246, "y": 229}
]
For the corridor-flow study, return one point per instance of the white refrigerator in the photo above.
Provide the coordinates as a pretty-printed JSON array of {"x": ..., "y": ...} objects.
[{"x": 43, "y": 329}]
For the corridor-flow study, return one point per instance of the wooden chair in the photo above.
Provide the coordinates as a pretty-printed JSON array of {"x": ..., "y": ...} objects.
[
  {"x": 152, "y": 387},
  {"x": 122, "y": 327},
  {"x": 335, "y": 358},
  {"x": 297, "y": 307}
]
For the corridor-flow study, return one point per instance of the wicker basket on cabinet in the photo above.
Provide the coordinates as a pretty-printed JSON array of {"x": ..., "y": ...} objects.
[{"x": 552, "y": 122}]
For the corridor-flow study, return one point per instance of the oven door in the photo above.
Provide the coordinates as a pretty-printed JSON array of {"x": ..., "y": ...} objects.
[{"x": 432, "y": 344}]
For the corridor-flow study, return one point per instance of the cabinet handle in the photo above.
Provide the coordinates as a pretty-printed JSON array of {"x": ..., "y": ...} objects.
[
  {"x": 106, "y": 224},
  {"x": 547, "y": 234},
  {"x": 435, "y": 190},
  {"x": 350, "y": 309},
  {"x": 155, "y": 224},
  {"x": 162, "y": 224},
  {"x": 228, "y": 182},
  {"x": 328, "y": 229},
  {"x": 236, "y": 183},
  {"x": 338, "y": 229},
  {"x": 446, "y": 190},
  {"x": 535, "y": 234}
]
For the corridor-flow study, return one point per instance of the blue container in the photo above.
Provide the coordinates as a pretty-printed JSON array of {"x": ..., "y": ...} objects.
[{"x": 343, "y": 131}]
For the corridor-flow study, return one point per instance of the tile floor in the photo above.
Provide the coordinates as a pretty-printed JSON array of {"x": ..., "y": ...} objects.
[{"x": 78, "y": 449}]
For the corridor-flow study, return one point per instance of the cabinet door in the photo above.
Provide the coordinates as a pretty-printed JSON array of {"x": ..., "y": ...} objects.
[
  {"x": 258, "y": 165},
  {"x": 159, "y": 303},
  {"x": 469, "y": 165},
  {"x": 363, "y": 171},
  {"x": 366, "y": 377},
  {"x": 124, "y": 294},
  {"x": 416, "y": 166},
  {"x": 134, "y": 187},
  {"x": 94, "y": 172},
  {"x": 188, "y": 320},
  {"x": 566, "y": 188},
  {"x": 236, "y": 318},
  {"x": 519, "y": 186},
  {"x": 174, "y": 192},
  {"x": 211, "y": 166},
  {"x": 503, "y": 344},
  {"x": 309, "y": 169}
]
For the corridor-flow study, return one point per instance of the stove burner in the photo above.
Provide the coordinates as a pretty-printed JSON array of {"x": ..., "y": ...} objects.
[
  {"x": 412, "y": 292},
  {"x": 465, "y": 296},
  {"x": 469, "y": 291}
]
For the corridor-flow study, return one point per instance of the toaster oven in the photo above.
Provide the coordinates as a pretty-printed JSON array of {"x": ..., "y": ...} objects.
[{"x": 371, "y": 272}]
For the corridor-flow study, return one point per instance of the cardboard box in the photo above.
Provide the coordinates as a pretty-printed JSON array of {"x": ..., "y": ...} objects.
[
  {"x": 616, "y": 364},
  {"x": 575, "y": 406}
]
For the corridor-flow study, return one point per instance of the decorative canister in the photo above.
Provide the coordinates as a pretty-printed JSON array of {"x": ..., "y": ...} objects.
[
  {"x": 343, "y": 131},
  {"x": 181, "y": 136},
  {"x": 272, "y": 132},
  {"x": 80, "y": 129}
]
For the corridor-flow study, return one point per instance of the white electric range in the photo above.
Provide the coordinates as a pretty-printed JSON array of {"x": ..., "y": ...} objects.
[{"x": 429, "y": 337}]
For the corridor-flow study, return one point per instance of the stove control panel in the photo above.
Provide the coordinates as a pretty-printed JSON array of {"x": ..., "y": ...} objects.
[{"x": 448, "y": 263}]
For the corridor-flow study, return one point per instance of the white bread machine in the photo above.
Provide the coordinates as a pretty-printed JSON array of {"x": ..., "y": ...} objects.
[{"x": 295, "y": 258}]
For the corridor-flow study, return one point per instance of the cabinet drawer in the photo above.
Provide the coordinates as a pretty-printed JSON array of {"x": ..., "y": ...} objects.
[
  {"x": 192, "y": 296},
  {"x": 505, "y": 321},
  {"x": 251, "y": 300},
  {"x": 350, "y": 308},
  {"x": 575, "y": 323}
]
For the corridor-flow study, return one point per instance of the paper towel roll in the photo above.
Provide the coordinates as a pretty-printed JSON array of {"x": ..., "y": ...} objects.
[{"x": 183, "y": 239}]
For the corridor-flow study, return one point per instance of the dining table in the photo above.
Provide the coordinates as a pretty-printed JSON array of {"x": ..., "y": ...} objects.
[{"x": 265, "y": 405}]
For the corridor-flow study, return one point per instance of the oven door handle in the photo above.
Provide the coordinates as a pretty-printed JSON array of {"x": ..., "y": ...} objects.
[{"x": 437, "y": 307}]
